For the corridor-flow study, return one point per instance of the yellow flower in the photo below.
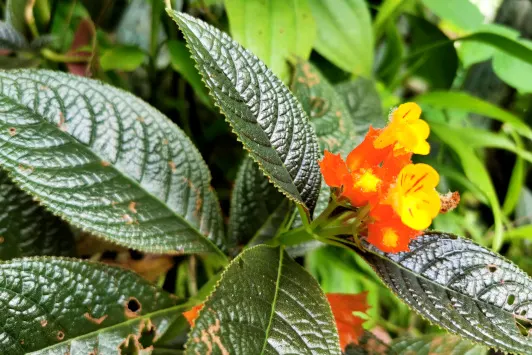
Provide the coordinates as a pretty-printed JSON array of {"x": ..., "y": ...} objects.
[
  {"x": 406, "y": 131},
  {"x": 414, "y": 197}
]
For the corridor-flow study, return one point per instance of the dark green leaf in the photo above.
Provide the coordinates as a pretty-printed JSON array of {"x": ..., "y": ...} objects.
[
  {"x": 462, "y": 287},
  {"x": 283, "y": 28},
  {"x": 184, "y": 65},
  {"x": 263, "y": 113},
  {"x": 437, "y": 65},
  {"x": 14, "y": 14},
  {"x": 345, "y": 36},
  {"x": 10, "y": 38},
  {"x": 461, "y": 13},
  {"x": 126, "y": 58},
  {"x": 392, "y": 58},
  {"x": 253, "y": 204},
  {"x": 435, "y": 344},
  {"x": 265, "y": 303},
  {"x": 58, "y": 306},
  {"x": 107, "y": 162},
  {"x": 26, "y": 229},
  {"x": 18, "y": 62}
]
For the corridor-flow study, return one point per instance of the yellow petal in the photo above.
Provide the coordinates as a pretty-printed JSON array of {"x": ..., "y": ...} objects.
[
  {"x": 421, "y": 128},
  {"x": 407, "y": 112}
]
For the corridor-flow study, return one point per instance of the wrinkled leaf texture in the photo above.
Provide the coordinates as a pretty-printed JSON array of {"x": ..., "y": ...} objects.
[
  {"x": 107, "y": 162},
  {"x": 265, "y": 303},
  {"x": 462, "y": 287},
  {"x": 60, "y": 306},
  {"x": 263, "y": 113}
]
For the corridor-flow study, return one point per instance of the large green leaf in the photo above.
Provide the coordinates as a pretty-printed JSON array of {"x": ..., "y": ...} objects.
[
  {"x": 261, "y": 110},
  {"x": 279, "y": 30},
  {"x": 461, "y": 13},
  {"x": 126, "y": 58},
  {"x": 462, "y": 287},
  {"x": 265, "y": 303},
  {"x": 107, "y": 162},
  {"x": 435, "y": 344},
  {"x": 14, "y": 14},
  {"x": 58, "y": 306},
  {"x": 253, "y": 203},
  {"x": 26, "y": 229},
  {"x": 345, "y": 36}
]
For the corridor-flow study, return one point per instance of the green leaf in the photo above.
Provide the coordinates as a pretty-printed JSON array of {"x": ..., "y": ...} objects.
[
  {"x": 283, "y": 28},
  {"x": 254, "y": 204},
  {"x": 107, "y": 162},
  {"x": 387, "y": 11},
  {"x": 126, "y": 58},
  {"x": 514, "y": 71},
  {"x": 14, "y": 14},
  {"x": 462, "y": 287},
  {"x": 261, "y": 110},
  {"x": 461, "y": 13},
  {"x": 475, "y": 171},
  {"x": 465, "y": 102},
  {"x": 265, "y": 303},
  {"x": 345, "y": 36},
  {"x": 10, "y": 38},
  {"x": 392, "y": 59},
  {"x": 434, "y": 344},
  {"x": 59, "y": 306},
  {"x": 438, "y": 65},
  {"x": 184, "y": 65},
  {"x": 26, "y": 229}
]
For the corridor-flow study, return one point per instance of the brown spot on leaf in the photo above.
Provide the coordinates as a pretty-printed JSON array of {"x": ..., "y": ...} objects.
[
  {"x": 165, "y": 141},
  {"x": 140, "y": 119},
  {"x": 172, "y": 166},
  {"x": 309, "y": 78},
  {"x": 132, "y": 207},
  {"x": 492, "y": 267},
  {"x": 210, "y": 338},
  {"x": 60, "y": 335},
  {"x": 127, "y": 218},
  {"x": 44, "y": 323},
  {"x": 2, "y": 240},
  {"x": 132, "y": 307},
  {"x": 21, "y": 341},
  {"x": 25, "y": 169},
  {"x": 95, "y": 320},
  {"x": 62, "y": 122},
  {"x": 105, "y": 163},
  {"x": 12, "y": 131}
]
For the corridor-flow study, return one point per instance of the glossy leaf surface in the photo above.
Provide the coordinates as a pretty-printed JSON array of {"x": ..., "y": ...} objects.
[
  {"x": 261, "y": 110},
  {"x": 265, "y": 303},
  {"x": 462, "y": 287},
  {"x": 434, "y": 344},
  {"x": 107, "y": 162},
  {"x": 58, "y": 306},
  {"x": 26, "y": 229}
]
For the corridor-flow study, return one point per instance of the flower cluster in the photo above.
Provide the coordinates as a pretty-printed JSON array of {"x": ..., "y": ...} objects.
[{"x": 379, "y": 173}]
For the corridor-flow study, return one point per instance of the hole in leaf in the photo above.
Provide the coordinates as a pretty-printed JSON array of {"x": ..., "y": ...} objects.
[
  {"x": 60, "y": 335},
  {"x": 133, "y": 307},
  {"x": 511, "y": 299},
  {"x": 147, "y": 337},
  {"x": 523, "y": 324},
  {"x": 523, "y": 312},
  {"x": 492, "y": 268}
]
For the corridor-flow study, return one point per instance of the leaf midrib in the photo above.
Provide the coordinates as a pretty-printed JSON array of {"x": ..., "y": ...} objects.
[
  {"x": 112, "y": 166},
  {"x": 251, "y": 153},
  {"x": 274, "y": 302}
]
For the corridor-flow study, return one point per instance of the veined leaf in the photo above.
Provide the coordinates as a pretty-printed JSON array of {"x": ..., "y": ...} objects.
[
  {"x": 253, "y": 203},
  {"x": 281, "y": 29},
  {"x": 10, "y": 38},
  {"x": 261, "y": 110},
  {"x": 26, "y": 229},
  {"x": 462, "y": 287},
  {"x": 106, "y": 162},
  {"x": 265, "y": 303},
  {"x": 435, "y": 344},
  {"x": 58, "y": 306}
]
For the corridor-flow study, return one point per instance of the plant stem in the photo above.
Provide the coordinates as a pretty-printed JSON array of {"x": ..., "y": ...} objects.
[{"x": 61, "y": 58}]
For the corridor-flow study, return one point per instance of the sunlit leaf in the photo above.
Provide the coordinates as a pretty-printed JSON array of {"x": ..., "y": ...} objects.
[
  {"x": 261, "y": 110},
  {"x": 107, "y": 162},
  {"x": 126, "y": 58},
  {"x": 284, "y": 28},
  {"x": 461, "y": 13},
  {"x": 78, "y": 307},
  {"x": 462, "y": 287},
  {"x": 265, "y": 303}
]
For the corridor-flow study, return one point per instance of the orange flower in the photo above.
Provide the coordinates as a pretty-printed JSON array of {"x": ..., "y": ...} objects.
[
  {"x": 192, "y": 314},
  {"x": 406, "y": 132},
  {"x": 349, "y": 326},
  {"x": 387, "y": 232}
]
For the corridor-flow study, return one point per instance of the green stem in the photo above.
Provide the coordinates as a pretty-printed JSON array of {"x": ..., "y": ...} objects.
[
  {"x": 61, "y": 58},
  {"x": 333, "y": 231},
  {"x": 325, "y": 214},
  {"x": 304, "y": 215}
]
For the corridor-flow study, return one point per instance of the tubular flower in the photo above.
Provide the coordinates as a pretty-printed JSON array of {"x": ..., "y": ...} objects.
[
  {"x": 401, "y": 196},
  {"x": 406, "y": 132}
]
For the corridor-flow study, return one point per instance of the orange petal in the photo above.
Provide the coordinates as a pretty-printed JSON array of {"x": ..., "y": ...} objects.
[
  {"x": 192, "y": 314},
  {"x": 349, "y": 326},
  {"x": 333, "y": 169},
  {"x": 388, "y": 232},
  {"x": 365, "y": 154}
]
